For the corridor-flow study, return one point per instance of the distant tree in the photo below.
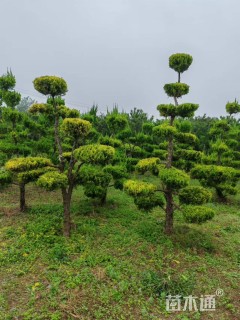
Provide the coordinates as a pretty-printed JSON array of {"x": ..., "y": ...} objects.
[{"x": 24, "y": 104}]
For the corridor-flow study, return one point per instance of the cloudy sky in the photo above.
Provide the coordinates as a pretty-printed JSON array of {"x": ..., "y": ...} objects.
[{"x": 116, "y": 51}]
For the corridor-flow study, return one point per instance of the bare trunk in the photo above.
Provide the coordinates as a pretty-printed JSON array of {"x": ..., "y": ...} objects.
[
  {"x": 169, "y": 213},
  {"x": 22, "y": 198},
  {"x": 179, "y": 77},
  {"x": 104, "y": 199}
]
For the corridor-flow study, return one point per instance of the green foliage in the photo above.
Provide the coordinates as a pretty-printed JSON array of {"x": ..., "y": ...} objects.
[
  {"x": 39, "y": 108},
  {"x": 137, "y": 188},
  {"x": 52, "y": 180},
  {"x": 147, "y": 203},
  {"x": 167, "y": 110},
  {"x": 144, "y": 194},
  {"x": 76, "y": 127},
  {"x": 187, "y": 138},
  {"x": 7, "y": 81},
  {"x": 32, "y": 175},
  {"x": 189, "y": 155},
  {"x": 29, "y": 163},
  {"x": 164, "y": 130},
  {"x": 180, "y": 62},
  {"x": 94, "y": 180},
  {"x": 173, "y": 178},
  {"x": 116, "y": 122},
  {"x": 149, "y": 164},
  {"x": 197, "y": 214},
  {"x": 219, "y": 146},
  {"x": 233, "y": 107},
  {"x": 186, "y": 110},
  {"x": 211, "y": 175},
  {"x": 11, "y": 98},
  {"x": 108, "y": 141},
  {"x": 223, "y": 179},
  {"x": 176, "y": 90},
  {"x": 50, "y": 85},
  {"x": 95, "y": 154},
  {"x": 5, "y": 177},
  {"x": 12, "y": 115},
  {"x": 194, "y": 195},
  {"x": 117, "y": 171}
]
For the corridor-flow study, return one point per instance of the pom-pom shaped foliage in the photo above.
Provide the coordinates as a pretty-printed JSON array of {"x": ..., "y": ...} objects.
[
  {"x": 76, "y": 127},
  {"x": 52, "y": 180},
  {"x": 95, "y": 154},
  {"x": 5, "y": 177},
  {"x": 223, "y": 179},
  {"x": 7, "y": 81},
  {"x": 32, "y": 175},
  {"x": 167, "y": 110},
  {"x": 11, "y": 98},
  {"x": 139, "y": 188},
  {"x": 29, "y": 163},
  {"x": 149, "y": 164},
  {"x": 147, "y": 203},
  {"x": 50, "y": 85},
  {"x": 189, "y": 155},
  {"x": 188, "y": 138},
  {"x": 108, "y": 141},
  {"x": 194, "y": 195},
  {"x": 211, "y": 175},
  {"x": 144, "y": 194},
  {"x": 219, "y": 147},
  {"x": 12, "y": 115},
  {"x": 116, "y": 122},
  {"x": 94, "y": 180},
  {"x": 233, "y": 107},
  {"x": 186, "y": 110},
  {"x": 72, "y": 113},
  {"x": 220, "y": 127},
  {"x": 174, "y": 178},
  {"x": 197, "y": 214},
  {"x": 117, "y": 171},
  {"x": 180, "y": 62},
  {"x": 39, "y": 108},
  {"x": 176, "y": 90},
  {"x": 147, "y": 128},
  {"x": 165, "y": 130}
]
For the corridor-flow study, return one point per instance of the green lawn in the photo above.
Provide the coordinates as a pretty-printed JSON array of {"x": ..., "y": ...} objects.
[{"x": 118, "y": 263}]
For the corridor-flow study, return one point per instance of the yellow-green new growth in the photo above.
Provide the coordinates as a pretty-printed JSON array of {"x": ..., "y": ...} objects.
[
  {"x": 29, "y": 163},
  {"x": 76, "y": 127},
  {"x": 95, "y": 154}
]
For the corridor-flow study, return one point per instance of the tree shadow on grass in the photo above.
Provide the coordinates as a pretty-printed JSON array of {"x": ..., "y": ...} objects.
[{"x": 190, "y": 238}]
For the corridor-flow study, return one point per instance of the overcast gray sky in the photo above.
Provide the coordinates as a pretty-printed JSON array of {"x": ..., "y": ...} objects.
[{"x": 116, "y": 51}]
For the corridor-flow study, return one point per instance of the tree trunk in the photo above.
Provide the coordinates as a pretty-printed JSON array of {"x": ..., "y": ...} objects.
[
  {"x": 220, "y": 196},
  {"x": 179, "y": 76},
  {"x": 67, "y": 195},
  {"x": 104, "y": 199},
  {"x": 22, "y": 198},
  {"x": 169, "y": 213}
]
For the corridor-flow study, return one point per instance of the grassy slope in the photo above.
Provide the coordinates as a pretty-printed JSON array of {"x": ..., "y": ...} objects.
[{"x": 118, "y": 264}]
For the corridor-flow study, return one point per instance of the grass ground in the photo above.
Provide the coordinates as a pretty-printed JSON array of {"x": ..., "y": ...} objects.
[{"x": 118, "y": 263}]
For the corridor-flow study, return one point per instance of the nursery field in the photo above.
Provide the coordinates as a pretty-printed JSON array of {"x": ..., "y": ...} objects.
[{"x": 118, "y": 262}]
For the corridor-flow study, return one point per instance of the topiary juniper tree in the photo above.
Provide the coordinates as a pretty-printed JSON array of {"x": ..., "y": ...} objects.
[
  {"x": 74, "y": 131},
  {"x": 173, "y": 181}
]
